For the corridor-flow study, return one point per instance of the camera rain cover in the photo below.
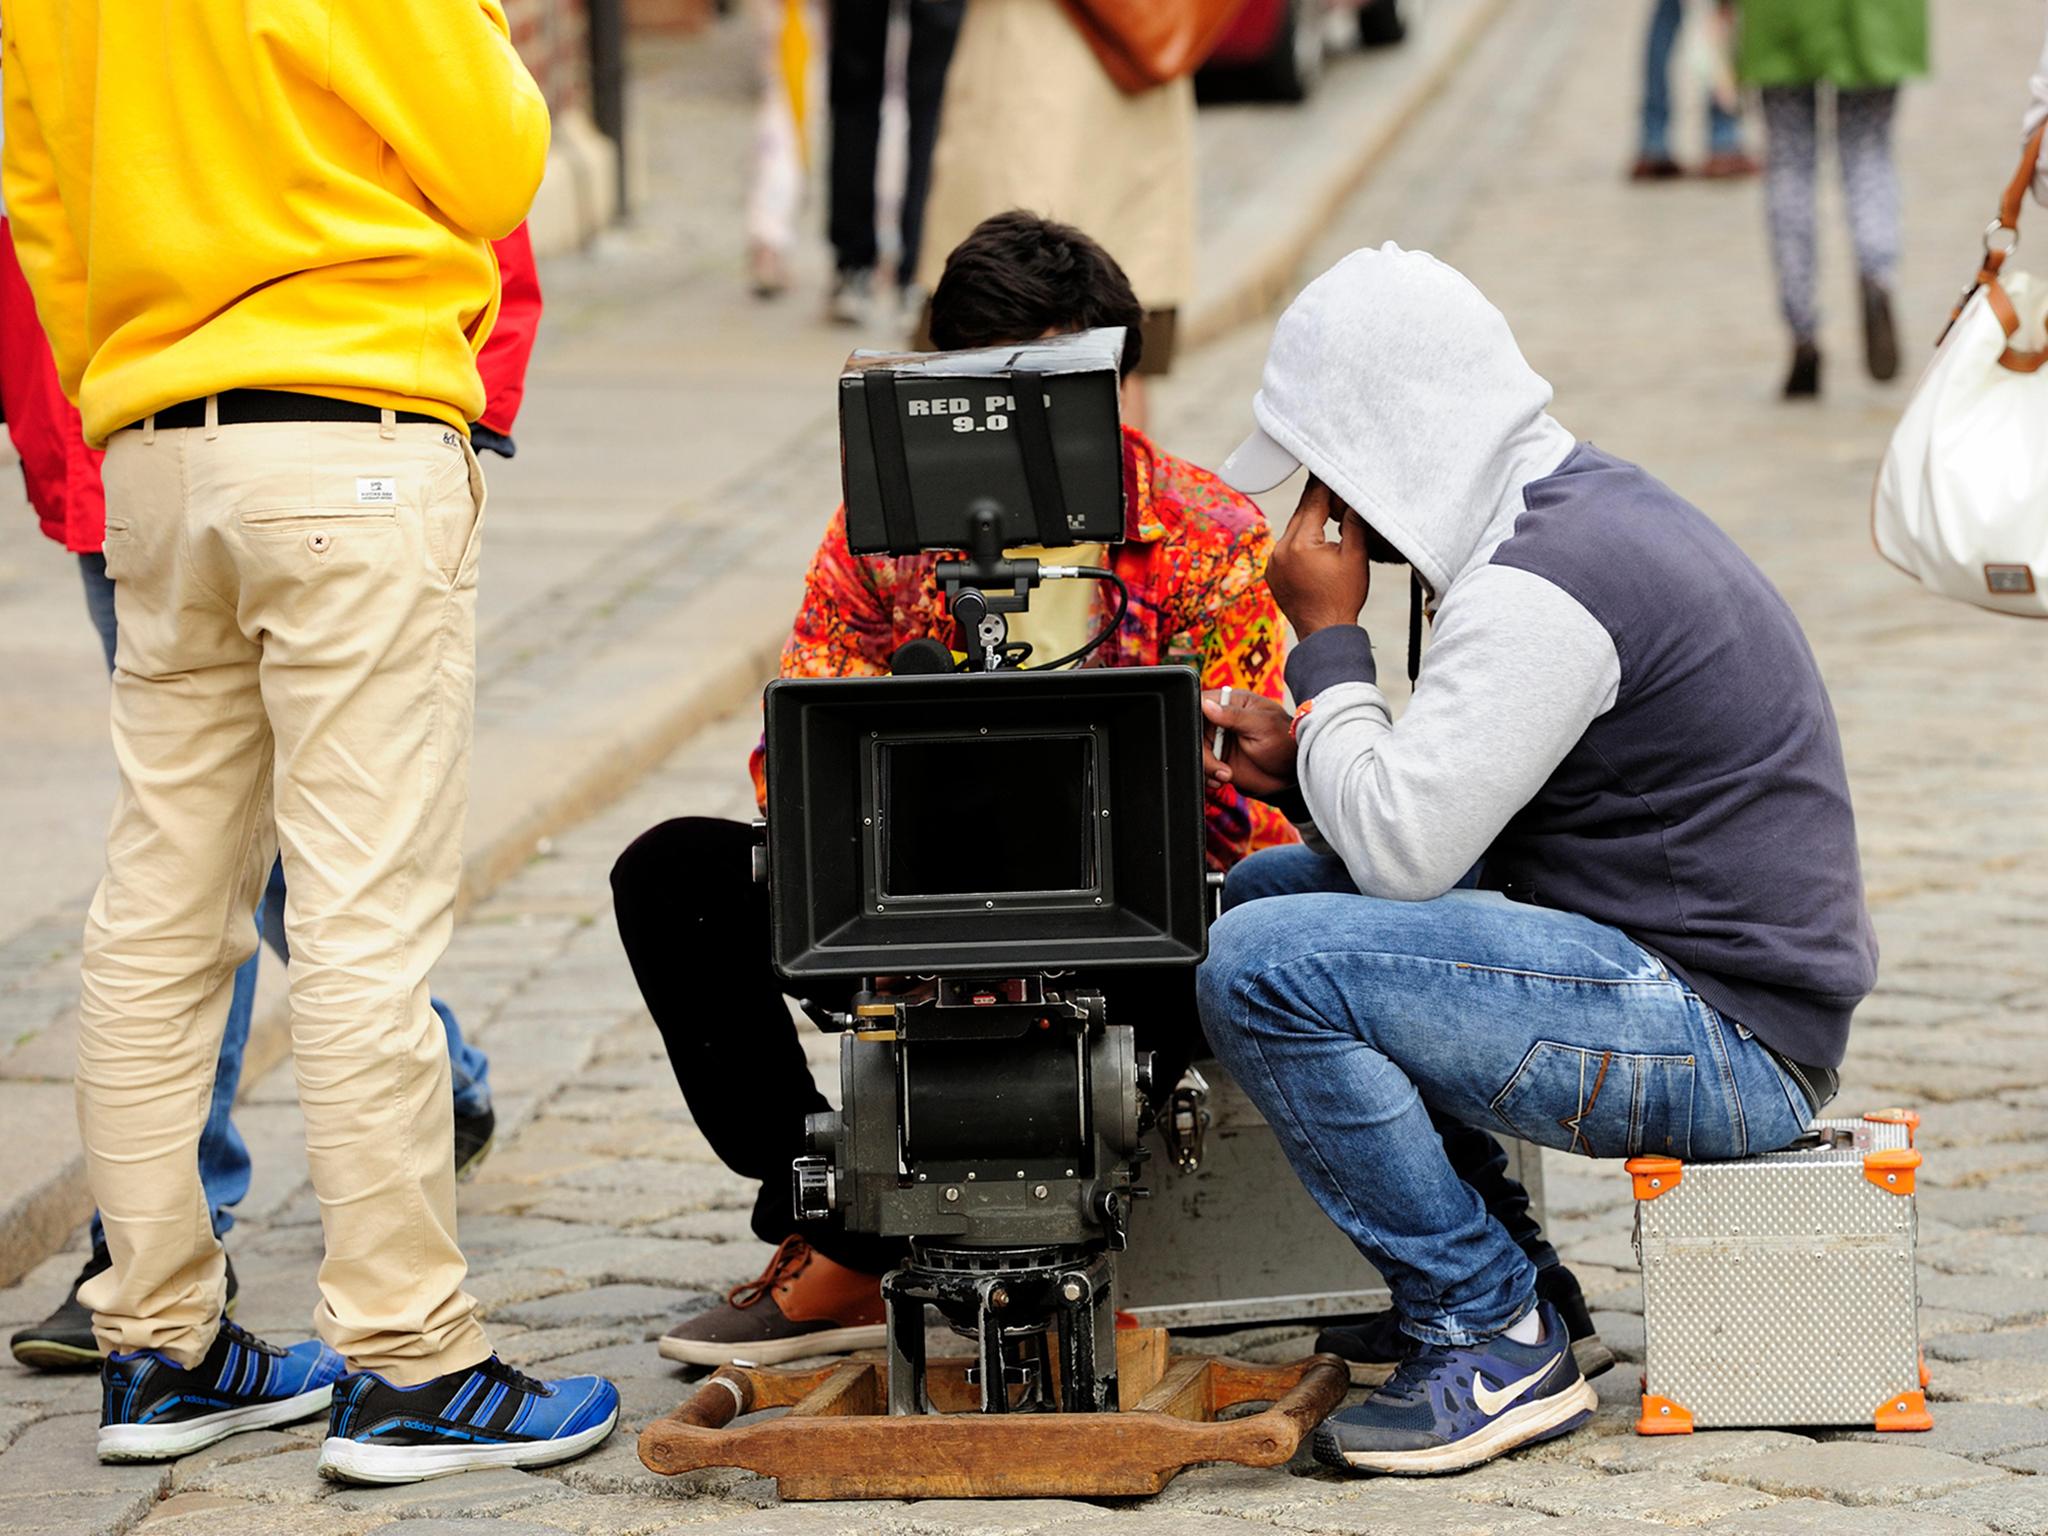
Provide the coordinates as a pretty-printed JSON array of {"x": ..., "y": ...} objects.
[{"x": 1032, "y": 429}]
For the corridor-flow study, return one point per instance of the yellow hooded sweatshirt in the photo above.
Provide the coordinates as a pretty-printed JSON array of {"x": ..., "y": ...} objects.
[{"x": 278, "y": 194}]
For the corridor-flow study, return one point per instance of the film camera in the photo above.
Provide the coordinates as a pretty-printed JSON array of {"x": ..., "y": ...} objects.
[{"x": 966, "y": 843}]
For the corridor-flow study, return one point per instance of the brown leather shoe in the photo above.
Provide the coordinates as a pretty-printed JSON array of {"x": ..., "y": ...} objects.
[
  {"x": 1728, "y": 165},
  {"x": 801, "y": 1304},
  {"x": 1655, "y": 168}
]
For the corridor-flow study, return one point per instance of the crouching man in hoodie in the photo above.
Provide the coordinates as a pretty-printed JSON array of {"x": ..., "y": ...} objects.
[{"x": 1619, "y": 731}]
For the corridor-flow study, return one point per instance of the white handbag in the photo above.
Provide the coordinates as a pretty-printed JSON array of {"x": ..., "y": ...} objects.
[{"x": 1962, "y": 497}]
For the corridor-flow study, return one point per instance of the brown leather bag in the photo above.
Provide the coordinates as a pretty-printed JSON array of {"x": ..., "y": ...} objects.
[{"x": 1143, "y": 43}]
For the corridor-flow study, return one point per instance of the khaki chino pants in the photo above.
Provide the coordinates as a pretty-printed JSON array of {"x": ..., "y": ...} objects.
[{"x": 296, "y": 673}]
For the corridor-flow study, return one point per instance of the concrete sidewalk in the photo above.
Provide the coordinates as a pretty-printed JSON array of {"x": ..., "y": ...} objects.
[{"x": 645, "y": 549}]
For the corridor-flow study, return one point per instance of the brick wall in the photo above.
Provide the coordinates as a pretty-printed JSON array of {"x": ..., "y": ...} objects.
[{"x": 552, "y": 36}]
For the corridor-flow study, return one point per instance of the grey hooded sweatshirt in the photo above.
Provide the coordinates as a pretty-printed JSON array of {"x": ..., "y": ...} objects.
[{"x": 1617, "y": 715}]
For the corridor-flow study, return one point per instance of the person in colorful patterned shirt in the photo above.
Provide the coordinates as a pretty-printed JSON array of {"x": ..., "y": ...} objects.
[{"x": 695, "y": 924}]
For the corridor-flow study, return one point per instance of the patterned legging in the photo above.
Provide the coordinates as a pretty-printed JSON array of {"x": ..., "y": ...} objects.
[{"x": 1870, "y": 185}]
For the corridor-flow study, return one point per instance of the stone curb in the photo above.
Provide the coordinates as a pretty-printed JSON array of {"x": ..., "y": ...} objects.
[{"x": 635, "y": 706}]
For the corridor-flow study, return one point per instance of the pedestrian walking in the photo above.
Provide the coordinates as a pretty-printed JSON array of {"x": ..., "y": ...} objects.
[
  {"x": 1725, "y": 155},
  {"x": 859, "y": 76},
  {"x": 789, "y": 35},
  {"x": 1035, "y": 121},
  {"x": 264, "y": 270},
  {"x": 1857, "y": 52}
]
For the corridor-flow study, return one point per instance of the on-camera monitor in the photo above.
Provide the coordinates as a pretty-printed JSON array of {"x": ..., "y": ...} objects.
[{"x": 954, "y": 824}]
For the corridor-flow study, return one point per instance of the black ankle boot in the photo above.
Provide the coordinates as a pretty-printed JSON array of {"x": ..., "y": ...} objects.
[
  {"x": 1880, "y": 335},
  {"x": 1804, "y": 380}
]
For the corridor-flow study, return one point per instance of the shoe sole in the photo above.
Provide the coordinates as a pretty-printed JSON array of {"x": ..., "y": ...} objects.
[
  {"x": 55, "y": 1355},
  {"x": 464, "y": 1170},
  {"x": 827, "y": 1341},
  {"x": 1544, "y": 1419},
  {"x": 159, "y": 1442},
  {"x": 351, "y": 1461},
  {"x": 1593, "y": 1356},
  {"x": 50, "y": 1355}
]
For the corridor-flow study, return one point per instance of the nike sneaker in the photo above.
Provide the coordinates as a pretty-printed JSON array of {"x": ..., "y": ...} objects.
[
  {"x": 1374, "y": 1346},
  {"x": 152, "y": 1408},
  {"x": 488, "y": 1415},
  {"x": 1447, "y": 1408}
]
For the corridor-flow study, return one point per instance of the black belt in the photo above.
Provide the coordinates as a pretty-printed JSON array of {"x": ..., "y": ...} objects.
[
  {"x": 1819, "y": 1084},
  {"x": 239, "y": 407}
]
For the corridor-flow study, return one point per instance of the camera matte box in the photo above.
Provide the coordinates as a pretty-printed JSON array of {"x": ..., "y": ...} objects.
[
  {"x": 1779, "y": 1289},
  {"x": 944, "y": 432},
  {"x": 1050, "y": 820}
]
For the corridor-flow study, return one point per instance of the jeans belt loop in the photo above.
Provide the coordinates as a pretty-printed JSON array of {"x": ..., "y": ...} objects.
[
  {"x": 387, "y": 424},
  {"x": 212, "y": 417},
  {"x": 149, "y": 429}
]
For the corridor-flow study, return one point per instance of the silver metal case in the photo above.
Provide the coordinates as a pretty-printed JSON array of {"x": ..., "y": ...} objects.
[{"x": 1780, "y": 1290}]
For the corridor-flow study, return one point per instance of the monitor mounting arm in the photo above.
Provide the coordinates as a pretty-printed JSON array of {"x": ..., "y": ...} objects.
[{"x": 974, "y": 595}]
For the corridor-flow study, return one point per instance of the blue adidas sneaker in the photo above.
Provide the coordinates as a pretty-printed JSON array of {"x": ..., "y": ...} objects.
[
  {"x": 152, "y": 1408},
  {"x": 486, "y": 1416},
  {"x": 1446, "y": 1408}
]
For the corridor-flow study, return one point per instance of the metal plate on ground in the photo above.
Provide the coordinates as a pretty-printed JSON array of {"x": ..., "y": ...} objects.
[{"x": 1239, "y": 1241}]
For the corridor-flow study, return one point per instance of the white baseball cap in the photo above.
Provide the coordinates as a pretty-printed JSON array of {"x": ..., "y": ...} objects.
[{"x": 1257, "y": 465}]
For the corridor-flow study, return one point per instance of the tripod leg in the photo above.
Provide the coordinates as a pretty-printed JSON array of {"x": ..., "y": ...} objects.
[
  {"x": 995, "y": 1386},
  {"x": 905, "y": 1315}
]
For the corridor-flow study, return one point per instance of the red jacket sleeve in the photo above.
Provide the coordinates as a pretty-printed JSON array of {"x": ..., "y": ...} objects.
[
  {"x": 503, "y": 359},
  {"x": 61, "y": 474}
]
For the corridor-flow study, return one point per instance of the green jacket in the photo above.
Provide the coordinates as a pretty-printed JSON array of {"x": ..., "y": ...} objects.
[{"x": 1851, "y": 43}]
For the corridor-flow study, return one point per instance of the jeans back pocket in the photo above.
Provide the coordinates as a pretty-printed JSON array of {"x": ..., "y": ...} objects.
[{"x": 1600, "y": 1103}]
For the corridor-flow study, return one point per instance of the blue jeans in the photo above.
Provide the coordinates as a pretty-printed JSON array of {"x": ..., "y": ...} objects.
[
  {"x": 1724, "y": 128},
  {"x": 1357, "y": 1025},
  {"x": 224, "y": 1165}
]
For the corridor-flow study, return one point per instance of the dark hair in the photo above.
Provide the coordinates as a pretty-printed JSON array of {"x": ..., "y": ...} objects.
[{"x": 1017, "y": 276}]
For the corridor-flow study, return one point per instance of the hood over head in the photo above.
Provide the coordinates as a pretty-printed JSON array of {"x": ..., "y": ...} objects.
[{"x": 1395, "y": 382}]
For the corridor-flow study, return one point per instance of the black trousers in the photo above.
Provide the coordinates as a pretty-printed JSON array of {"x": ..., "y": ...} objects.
[
  {"x": 859, "y": 43},
  {"x": 695, "y": 926}
]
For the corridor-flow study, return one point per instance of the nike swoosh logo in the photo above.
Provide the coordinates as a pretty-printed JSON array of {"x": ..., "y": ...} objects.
[{"x": 1491, "y": 1402}]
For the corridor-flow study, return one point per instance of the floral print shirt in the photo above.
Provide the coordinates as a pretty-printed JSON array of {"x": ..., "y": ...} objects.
[{"x": 1194, "y": 559}]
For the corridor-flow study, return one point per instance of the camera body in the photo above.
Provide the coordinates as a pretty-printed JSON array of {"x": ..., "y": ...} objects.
[{"x": 969, "y": 848}]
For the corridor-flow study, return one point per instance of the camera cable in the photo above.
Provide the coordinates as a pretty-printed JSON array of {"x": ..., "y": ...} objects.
[{"x": 1123, "y": 606}]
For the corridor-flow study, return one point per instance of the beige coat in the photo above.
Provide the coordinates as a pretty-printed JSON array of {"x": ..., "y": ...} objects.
[{"x": 1032, "y": 121}]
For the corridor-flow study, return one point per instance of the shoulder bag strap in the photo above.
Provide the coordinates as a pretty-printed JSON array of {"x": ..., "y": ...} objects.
[{"x": 2001, "y": 239}]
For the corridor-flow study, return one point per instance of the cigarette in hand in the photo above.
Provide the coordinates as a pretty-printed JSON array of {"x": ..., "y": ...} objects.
[{"x": 1216, "y": 747}]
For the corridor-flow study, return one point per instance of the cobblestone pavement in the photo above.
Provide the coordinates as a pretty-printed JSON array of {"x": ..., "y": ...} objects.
[
  {"x": 601, "y": 1216},
  {"x": 643, "y": 548}
]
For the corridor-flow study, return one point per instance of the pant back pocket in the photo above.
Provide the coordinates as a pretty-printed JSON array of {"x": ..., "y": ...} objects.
[{"x": 1600, "y": 1103}]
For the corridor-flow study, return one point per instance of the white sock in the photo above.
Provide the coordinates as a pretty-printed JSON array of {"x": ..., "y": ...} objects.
[{"x": 1529, "y": 1329}]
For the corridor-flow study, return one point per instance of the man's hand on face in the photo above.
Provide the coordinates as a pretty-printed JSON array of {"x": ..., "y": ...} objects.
[
  {"x": 1258, "y": 749},
  {"x": 1319, "y": 584}
]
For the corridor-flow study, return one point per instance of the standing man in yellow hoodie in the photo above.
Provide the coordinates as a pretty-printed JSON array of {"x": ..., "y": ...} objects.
[{"x": 258, "y": 235}]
